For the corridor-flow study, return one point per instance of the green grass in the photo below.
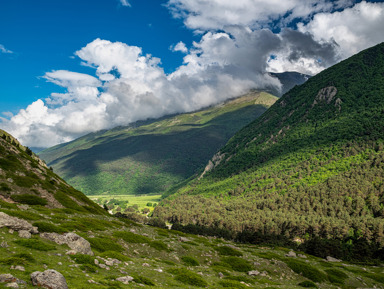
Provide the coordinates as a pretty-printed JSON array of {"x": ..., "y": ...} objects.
[
  {"x": 190, "y": 261},
  {"x": 306, "y": 270},
  {"x": 48, "y": 227},
  {"x": 35, "y": 244},
  {"x": 238, "y": 264},
  {"x": 105, "y": 244},
  {"x": 188, "y": 277},
  {"x": 228, "y": 251},
  {"x": 29, "y": 199}
]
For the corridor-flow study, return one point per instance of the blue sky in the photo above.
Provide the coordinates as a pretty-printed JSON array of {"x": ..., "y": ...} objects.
[
  {"x": 69, "y": 67},
  {"x": 43, "y": 34}
]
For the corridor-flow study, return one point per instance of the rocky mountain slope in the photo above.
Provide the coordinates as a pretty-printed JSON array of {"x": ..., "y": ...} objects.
[
  {"x": 311, "y": 166},
  {"x": 152, "y": 156},
  {"x": 52, "y": 236}
]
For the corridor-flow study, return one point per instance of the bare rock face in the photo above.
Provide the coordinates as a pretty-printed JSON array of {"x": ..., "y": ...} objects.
[
  {"x": 78, "y": 244},
  {"x": 16, "y": 224},
  {"x": 50, "y": 279}
]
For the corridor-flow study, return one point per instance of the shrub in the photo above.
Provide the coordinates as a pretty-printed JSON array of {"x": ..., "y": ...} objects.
[
  {"x": 158, "y": 245},
  {"x": 23, "y": 215},
  {"x": 228, "y": 251},
  {"x": 88, "y": 268},
  {"x": 29, "y": 199},
  {"x": 336, "y": 276},
  {"x": 4, "y": 188},
  {"x": 143, "y": 280},
  {"x": 231, "y": 284},
  {"x": 67, "y": 202},
  {"x": 130, "y": 237},
  {"x": 35, "y": 244},
  {"x": 238, "y": 264},
  {"x": 83, "y": 259},
  {"x": 190, "y": 261},
  {"x": 307, "y": 284},
  {"x": 48, "y": 227},
  {"x": 18, "y": 259},
  {"x": 188, "y": 277},
  {"x": 306, "y": 270},
  {"x": 105, "y": 244},
  {"x": 115, "y": 255}
]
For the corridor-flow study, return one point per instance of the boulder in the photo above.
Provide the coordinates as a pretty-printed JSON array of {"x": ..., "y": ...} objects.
[
  {"x": 290, "y": 254},
  {"x": 125, "y": 279},
  {"x": 7, "y": 278},
  {"x": 50, "y": 279},
  {"x": 16, "y": 224},
  {"x": 253, "y": 273},
  {"x": 24, "y": 234},
  {"x": 78, "y": 244},
  {"x": 12, "y": 285},
  {"x": 331, "y": 259}
]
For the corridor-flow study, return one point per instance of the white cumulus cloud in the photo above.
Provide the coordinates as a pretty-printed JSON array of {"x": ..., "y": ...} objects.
[{"x": 5, "y": 50}]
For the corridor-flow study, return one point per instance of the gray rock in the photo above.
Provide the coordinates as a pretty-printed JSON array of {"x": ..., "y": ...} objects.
[
  {"x": 125, "y": 279},
  {"x": 290, "y": 254},
  {"x": 78, "y": 244},
  {"x": 12, "y": 285},
  {"x": 7, "y": 278},
  {"x": 17, "y": 267},
  {"x": 183, "y": 239},
  {"x": 16, "y": 224},
  {"x": 253, "y": 273},
  {"x": 24, "y": 234},
  {"x": 331, "y": 259},
  {"x": 50, "y": 279},
  {"x": 301, "y": 256}
]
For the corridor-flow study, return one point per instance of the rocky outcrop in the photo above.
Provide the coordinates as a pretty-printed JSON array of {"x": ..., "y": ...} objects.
[
  {"x": 50, "y": 279},
  {"x": 16, "y": 224},
  {"x": 78, "y": 244},
  {"x": 125, "y": 279}
]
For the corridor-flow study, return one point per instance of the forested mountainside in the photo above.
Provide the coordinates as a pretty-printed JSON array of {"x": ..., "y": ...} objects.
[
  {"x": 311, "y": 166},
  {"x": 52, "y": 236},
  {"x": 152, "y": 156}
]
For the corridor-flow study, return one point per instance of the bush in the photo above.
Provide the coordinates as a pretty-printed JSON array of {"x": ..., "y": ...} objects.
[
  {"x": 336, "y": 276},
  {"x": 88, "y": 268},
  {"x": 238, "y": 264},
  {"x": 18, "y": 259},
  {"x": 158, "y": 245},
  {"x": 23, "y": 215},
  {"x": 48, "y": 227},
  {"x": 29, "y": 199},
  {"x": 67, "y": 202},
  {"x": 306, "y": 270},
  {"x": 232, "y": 284},
  {"x": 307, "y": 284},
  {"x": 115, "y": 255},
  {"x": 143, "y": 280},
  {"x": 130, "y": 237},
  {"x": 35, "y": 244},
  {"x": 190, "y": 261},
  {"x": 188, "y": 277},
  {"x": 83, "y": 259},
  {"x": 105, "y": 244},
  {"x": 228, "y": 251}
]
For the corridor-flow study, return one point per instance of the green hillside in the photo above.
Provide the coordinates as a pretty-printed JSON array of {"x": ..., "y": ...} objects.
[
  {"x": 152, "y": 156},
  {"x": 46, "y": 225},
  {"x": 312, "y": 165}
]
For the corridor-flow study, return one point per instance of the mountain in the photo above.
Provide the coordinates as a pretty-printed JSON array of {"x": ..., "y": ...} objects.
[
  {"x": 152, "y": 156},
  {"x": 288, "y": 80},
  {"x": 52, "y": 236},
  {"x": 310, "y": 167}
]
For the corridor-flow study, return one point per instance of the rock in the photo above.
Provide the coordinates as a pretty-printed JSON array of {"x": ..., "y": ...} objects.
[
  {"x": 97, "y": 262},
  {"x": 263, "y": 274},
  {"x": 25, "y": 234},
  {"x": 331, "y": 259},
  {"x": 221, "y": 275},
  {"x": 256, "y": 264},
  {"x": 253, "y": 273},
  {"x": 109, "y": 263},
  {"x": 146, "y": 265},
  {"x": 78, "y": 244},
  {"x": 7, "y": 278},
  {"x": 183, "y": 239},
  {"x": 302, "y": 256},
  {"x": 18, "y": 267},
  {"x": 159, "y": 270},
  {"x": 12, "y": 285},
  {"x": 16, "y": 224},
  {"x": 23, "y": 207},
  {"x": 290, "y": 254},
  {"x": 4, "y": 244},
  {"x": 125, "y": 279},
  {"x": 50, "y": 279}
]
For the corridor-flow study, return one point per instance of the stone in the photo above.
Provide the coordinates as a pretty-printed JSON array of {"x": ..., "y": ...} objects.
[
  {"x": 97, "y": 262},
  {"x": 290, "y": 254},
  {"x": 7, "y": 278},
  {"x": 78, "y": 244},
  {"x": 4, "y": 244},
  {"x": 12, "y": 285},
  {"x": 302, "y": 256},
  {"x": 263, "y": 274},
  {"x": 221, "y": 275},
  {"x": 50, "y": 279},
  {"x": 253, "y": 273},
  {"x": 125, "y": 279},
  {"x": 25, "y": 234},
  {"x": 183, "y": 239},
  {"x": 16, "y": 224},
  {"x": 17, "y": 267},
  {"x": 331, "y": 259},
  {"x": 146, "y": 265}
]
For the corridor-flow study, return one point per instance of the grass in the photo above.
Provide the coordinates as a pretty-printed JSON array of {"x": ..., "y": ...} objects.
[
  {"x": 190, "y": 261},
  {"x": 29, "y": 199},
  {"x": 188, "y": 277},
  {"x": 238, "y": 264},
  {"x": 105, "y": 244},
  {"x": 35, "y": 244},
  {"x": 306, "y": 270},
  {"x": 228, "y": 251}
]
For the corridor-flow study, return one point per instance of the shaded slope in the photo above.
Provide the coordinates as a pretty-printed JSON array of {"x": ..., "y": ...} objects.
[
  {"x": 25, "y": 179},
  {"x": 312, "y": 165},
  {"x": 153, "y": 156}
]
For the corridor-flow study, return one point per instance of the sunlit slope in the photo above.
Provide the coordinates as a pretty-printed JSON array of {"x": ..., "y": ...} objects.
[
  {"x": 312, "y": 165},
  {"x": 152, "y": 156}
]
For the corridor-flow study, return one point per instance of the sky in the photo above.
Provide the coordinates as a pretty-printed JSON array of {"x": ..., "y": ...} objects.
[{"x": 69, "y": 67}]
